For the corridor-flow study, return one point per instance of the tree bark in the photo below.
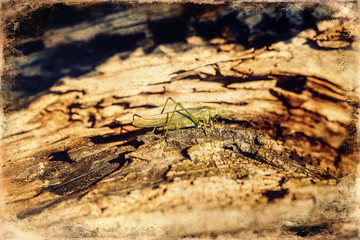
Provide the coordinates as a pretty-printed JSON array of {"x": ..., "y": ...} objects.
[{"x": 281, "y": 161}]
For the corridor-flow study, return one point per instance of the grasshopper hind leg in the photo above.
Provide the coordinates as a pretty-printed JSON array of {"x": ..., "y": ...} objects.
[
  {"x": 172, "y": 115},
  {"x": 177, "y": 104}
]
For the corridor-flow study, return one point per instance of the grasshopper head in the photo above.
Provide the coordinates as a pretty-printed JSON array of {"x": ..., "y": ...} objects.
[
  {"x": 213, "y": 112},
  {"x": 216, "y": 113}
]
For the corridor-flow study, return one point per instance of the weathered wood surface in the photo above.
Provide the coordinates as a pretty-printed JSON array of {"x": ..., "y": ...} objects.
[{"x": 283, "y": 164}]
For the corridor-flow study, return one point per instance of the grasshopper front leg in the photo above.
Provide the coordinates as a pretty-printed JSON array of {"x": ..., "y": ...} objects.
[
  {"x": 211, "y": 123},
  {"x": 205, "y": 122}
]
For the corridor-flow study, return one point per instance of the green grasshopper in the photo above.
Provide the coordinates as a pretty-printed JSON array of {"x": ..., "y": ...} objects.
[{"x": 182, "y": 118}]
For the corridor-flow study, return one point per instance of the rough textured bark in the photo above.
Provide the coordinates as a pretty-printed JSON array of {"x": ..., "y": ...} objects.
[{"x": 281, "y": 163}]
